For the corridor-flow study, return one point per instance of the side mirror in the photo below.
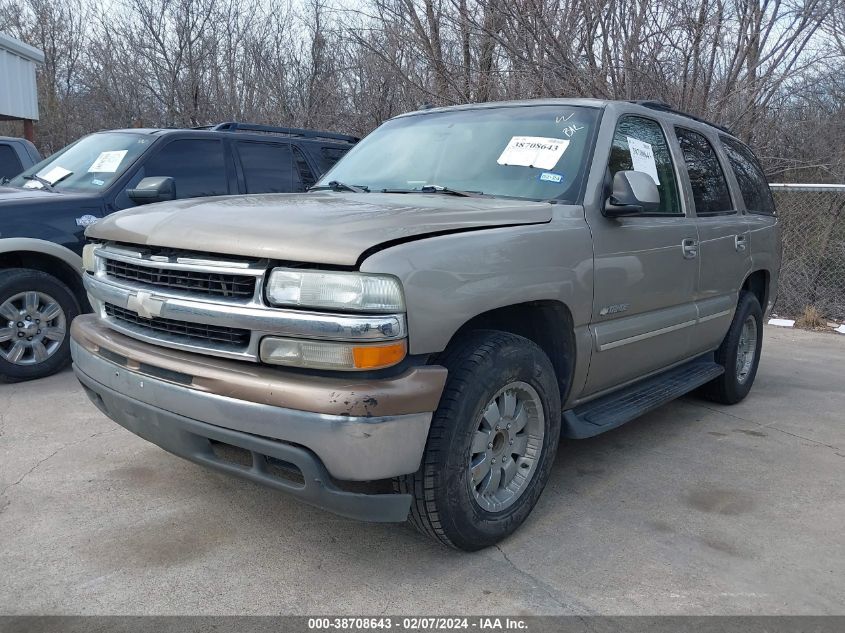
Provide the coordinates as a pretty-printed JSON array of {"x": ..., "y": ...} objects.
[
  {"x": 634, "y": 192},
  {"x": 156, "y": 189}
]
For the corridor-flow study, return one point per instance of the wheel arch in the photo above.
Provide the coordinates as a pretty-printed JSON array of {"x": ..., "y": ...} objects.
[
  {"x": 757, "y": 283},
  {"x": 47, "y": 257},
  {"x": 548, "y": 323}
]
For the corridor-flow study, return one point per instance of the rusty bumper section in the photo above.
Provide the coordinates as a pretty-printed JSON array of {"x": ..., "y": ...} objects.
[
  {"x": 415, "y": 391},
  {"x": 353, "y": 430}
]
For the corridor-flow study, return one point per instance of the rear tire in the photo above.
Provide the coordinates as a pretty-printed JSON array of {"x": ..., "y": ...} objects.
[
  {"x": 739, "y": 353},
  {"x": 492, "y": 442},
  {"x": 36, "y": 310}
]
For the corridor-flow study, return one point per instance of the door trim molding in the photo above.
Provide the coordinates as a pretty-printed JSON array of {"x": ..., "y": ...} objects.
[
  {"x": 645, "y": 335},
  {"x": 717, "y": 315}
]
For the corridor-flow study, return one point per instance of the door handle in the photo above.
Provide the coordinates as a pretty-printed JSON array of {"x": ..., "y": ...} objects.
[
  {"x": 740, "y": 243},
  {"x": 689, "y": 247}
]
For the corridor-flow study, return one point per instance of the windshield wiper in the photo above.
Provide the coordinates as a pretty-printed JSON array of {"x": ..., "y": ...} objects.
[
  {"x": 336, "y": 185},
  {"x": 44, "y": 183},
  {"x": 438, "y": 189}
]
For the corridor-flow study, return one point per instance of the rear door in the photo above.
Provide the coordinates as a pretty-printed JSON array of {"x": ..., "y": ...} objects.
[
  {"x": 723, "y": 238},
  {"x": 646, "y": 267},
  {"x": 764, "y": 243}
]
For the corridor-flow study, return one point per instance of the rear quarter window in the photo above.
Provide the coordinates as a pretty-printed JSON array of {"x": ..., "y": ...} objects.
[
  {"x": 752, "y": 181},
  {"x": 10, "y": 164},
  {"x": 330, "y": 155}
]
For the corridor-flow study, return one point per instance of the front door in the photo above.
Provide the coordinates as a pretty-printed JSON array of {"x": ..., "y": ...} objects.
[{"x": 646, "y": 268}]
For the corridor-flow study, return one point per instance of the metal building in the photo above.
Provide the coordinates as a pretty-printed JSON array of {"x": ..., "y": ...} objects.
[{"x": 18, "y": 93}]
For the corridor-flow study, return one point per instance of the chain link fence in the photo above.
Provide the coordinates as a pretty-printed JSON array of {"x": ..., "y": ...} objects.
[{"x": 812, "y": 218}]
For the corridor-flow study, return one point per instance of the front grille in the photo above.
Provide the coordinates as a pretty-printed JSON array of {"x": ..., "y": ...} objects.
[
  {"x": 204, "y": 283},
  {"x": 200, "y": 332}
]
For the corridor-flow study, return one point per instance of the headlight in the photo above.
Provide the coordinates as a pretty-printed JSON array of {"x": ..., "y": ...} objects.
[
  {"x": 331, "y": 355},
  {"x": 89, "y": 261},
  {"x": 334, "y": 290}
]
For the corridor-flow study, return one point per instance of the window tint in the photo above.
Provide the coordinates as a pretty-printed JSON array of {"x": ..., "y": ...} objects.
[
  {"x": 10, "y": 165},
  {"x": 196, "y": 165},
  {"x": 709, "y": 187},
  {"x": 268, "y": 167},
  {"x": 306, "y": 176},
  {"x": 331, "y": 155},
  {"x": 646, "y": 136},
  {"x": 752, "y": 182}
]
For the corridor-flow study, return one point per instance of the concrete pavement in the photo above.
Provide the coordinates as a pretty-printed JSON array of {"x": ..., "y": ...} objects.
[{"x": 693, "y": 509}]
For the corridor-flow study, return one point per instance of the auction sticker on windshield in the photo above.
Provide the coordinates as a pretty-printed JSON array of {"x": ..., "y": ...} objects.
[
  {"x": 56, "y": 174},
  {"x": 533, "y": 151},
  {"x": 108, "y": 162}
]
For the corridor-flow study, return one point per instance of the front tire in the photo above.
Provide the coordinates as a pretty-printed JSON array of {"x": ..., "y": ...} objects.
[
  {"x": 35, "y": 314},
  {"x": 739, "y": 353},
  {"x": 492, "y": 442}
]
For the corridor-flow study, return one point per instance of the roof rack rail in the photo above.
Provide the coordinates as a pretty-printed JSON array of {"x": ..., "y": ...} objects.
[
  {"x": 654, "y": 104},
  {"x": 235, "y": 126}
]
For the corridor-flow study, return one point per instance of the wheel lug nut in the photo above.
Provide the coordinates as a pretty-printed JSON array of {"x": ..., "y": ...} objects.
[
  {"x": 28, "y": 318},
  {"x": 28, "y": 338},
  {"x": 509, "y": 425},
  {"x": 493, "y": 461},
  {"x": 20, "y": 323},
  {"x": 20, "y": 334}
]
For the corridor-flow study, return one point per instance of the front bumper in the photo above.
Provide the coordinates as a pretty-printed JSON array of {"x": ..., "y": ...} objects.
[{"x": 182, "y": 402}]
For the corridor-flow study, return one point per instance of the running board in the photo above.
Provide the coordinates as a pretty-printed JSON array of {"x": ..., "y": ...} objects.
[{"x": 614, "y": 409}]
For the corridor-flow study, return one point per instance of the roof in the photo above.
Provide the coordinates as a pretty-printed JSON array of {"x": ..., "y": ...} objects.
[
  {"x": 650, "y": 105},
  {"x": 591, "y": 103},
  {"x": 21, "y": 49},
  {"x": 18, "y": 93},
  {"x": 326, "y": 138}
]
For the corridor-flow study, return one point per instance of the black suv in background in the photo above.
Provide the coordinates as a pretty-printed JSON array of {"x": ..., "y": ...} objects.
[{"x": 46, "y": 209}]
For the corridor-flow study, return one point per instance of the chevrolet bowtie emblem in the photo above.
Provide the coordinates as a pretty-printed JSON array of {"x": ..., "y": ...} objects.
[{"x": 145, "y": 305}]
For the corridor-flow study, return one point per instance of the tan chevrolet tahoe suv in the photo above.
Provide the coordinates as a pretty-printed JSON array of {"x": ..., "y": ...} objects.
[{"x": 410, "y": 339}]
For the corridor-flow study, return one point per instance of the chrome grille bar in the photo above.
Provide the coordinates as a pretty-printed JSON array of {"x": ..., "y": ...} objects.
[{"x": 176, "y": 317}]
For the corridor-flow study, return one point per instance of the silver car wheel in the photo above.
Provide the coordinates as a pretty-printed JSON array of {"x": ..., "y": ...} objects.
[
  {"x": 746, "y": 349},
  {"x": 32, "y": 328},
  {"x": 506, "y": 447}
]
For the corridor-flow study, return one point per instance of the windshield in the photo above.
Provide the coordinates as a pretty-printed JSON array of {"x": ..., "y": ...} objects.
[
  {"x": 88, "y": 165},
  {"x": 532, "y": 152}
]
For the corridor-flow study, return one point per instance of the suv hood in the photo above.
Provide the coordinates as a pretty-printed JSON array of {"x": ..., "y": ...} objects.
[{"x": 319, "y": 227}]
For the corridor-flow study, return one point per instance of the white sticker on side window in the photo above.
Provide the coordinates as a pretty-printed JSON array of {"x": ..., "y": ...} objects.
[
  {"x": 642, "y": 157},
  {"x": 108, "y": 162},
  {"x": 533, "y": 151}
]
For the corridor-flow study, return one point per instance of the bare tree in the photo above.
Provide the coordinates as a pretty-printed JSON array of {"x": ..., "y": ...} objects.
[{"x": 772, "y": 70}]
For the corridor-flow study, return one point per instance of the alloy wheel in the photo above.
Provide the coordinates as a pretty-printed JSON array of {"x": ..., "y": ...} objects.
[
  {"x": 506, "y": 447},
  {"x": 32, "y": 328}
]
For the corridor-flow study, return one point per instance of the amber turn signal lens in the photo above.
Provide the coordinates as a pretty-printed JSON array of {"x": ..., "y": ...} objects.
[{"x": 377, "y": 356}]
